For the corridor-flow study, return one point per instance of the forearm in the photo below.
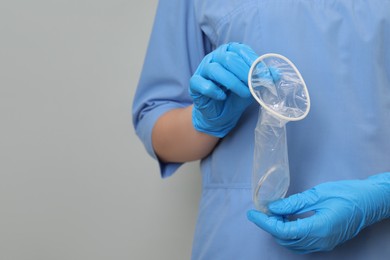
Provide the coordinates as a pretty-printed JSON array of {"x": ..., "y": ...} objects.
[{"x": 175, "y": 139}]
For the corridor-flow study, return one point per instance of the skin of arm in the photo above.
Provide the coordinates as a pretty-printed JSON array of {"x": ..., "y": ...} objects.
[{"x": 175, "y": 139}]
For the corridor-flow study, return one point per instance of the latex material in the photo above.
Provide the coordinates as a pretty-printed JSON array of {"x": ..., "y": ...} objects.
[
  {"x": 341, "y": 210},
  {"x": 281, "y": 92},
  {"x": 219, "y": 89}
]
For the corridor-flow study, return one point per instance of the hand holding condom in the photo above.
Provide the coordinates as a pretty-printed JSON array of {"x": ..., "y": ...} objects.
[
  {"x": 219, "y": 88},
  {"x": 341, "y": 210}
]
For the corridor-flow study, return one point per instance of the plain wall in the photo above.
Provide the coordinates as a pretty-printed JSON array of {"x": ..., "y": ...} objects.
[{"x": 75, "y": 181}]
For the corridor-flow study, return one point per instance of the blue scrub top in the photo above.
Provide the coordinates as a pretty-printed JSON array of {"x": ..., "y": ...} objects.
[{"x": 341, "y": 48}]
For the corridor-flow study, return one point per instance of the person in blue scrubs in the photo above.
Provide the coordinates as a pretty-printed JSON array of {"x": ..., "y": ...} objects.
[{"x": 192, "y": 103}]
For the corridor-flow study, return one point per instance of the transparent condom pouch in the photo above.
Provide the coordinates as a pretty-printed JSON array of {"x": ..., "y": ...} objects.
[{"x": 279, "y": 88}]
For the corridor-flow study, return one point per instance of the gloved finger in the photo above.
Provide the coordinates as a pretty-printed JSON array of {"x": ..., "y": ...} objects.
[
  {"x": 291, "y": 245},
  {"x": 304, "y": 245},
  {"x": 281, "y": 229},
  {"x": 240, "y": 103},
  {"x": 298, "y": 246},
  {"x": 275, "y": 225},
  {"x": 244, "y": 51},
  {"x": 298, "y": 243},
  {"x": 262, "y": 71},
  {"x": 215, "y": 72},
  {"x": 201, "y": 86},
  {"x": 233, "y": 63},
  {"x": 275, "y": 73},
  {"x": 297, "y": 203},
  {"x": 267, "y": 223}
]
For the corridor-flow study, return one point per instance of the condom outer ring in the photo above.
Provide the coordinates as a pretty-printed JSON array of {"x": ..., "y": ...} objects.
[{"x": 265, "y": 106}]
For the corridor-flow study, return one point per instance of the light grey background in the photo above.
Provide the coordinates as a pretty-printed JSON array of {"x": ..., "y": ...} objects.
[{"x": 75, "y": 181}]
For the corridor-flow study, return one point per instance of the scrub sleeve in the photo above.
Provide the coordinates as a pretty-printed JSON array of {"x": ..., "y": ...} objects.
[{"x": 176, "y": 48}]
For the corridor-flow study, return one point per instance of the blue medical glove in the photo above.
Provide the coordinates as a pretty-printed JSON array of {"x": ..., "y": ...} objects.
[
  {"x": 219, "y": 88},
  {"x": 341, "y": 210}
]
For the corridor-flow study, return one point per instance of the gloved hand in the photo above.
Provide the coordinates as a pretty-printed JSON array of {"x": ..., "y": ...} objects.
[
  {"x": 219, "y": 88},
  {"x": 341, "y": 210}
]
